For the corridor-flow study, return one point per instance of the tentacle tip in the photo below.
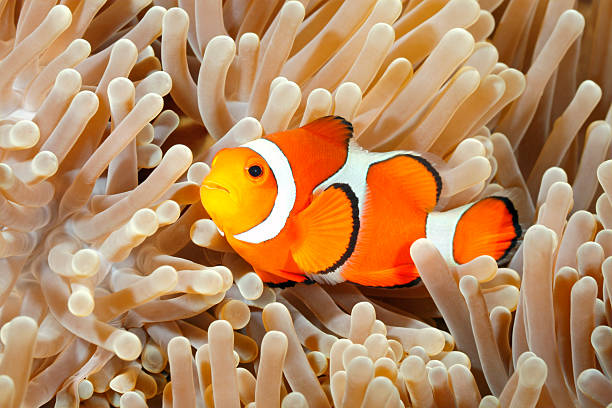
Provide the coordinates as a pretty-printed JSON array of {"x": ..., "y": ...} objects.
[{"x": 127, "y": 346}]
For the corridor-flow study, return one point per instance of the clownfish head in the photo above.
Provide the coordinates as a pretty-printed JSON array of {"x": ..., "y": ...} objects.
[
  {"x": 240, "y": 190},
  {"x": 252, "y": 190}
]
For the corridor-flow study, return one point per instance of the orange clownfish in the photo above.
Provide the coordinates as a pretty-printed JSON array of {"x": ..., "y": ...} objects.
[{"x": 309, "y": 204}]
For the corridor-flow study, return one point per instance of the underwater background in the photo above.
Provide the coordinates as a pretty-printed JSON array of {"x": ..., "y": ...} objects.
[{"x": 116, "y": 288}]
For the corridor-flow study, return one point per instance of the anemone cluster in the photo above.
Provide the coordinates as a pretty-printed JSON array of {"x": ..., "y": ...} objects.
[{"x": 116, "y": 288}]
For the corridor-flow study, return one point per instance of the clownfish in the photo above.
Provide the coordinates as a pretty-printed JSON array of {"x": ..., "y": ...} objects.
[{"x": 310, "y": 204}]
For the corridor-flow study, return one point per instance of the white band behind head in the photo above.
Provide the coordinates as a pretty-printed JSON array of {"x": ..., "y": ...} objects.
[{"x": 285, "y": 196}]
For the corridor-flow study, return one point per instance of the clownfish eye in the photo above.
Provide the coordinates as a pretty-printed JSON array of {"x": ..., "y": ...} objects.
[{"x": 255, "y": 171}]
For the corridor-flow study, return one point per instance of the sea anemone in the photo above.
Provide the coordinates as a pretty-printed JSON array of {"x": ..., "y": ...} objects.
[{"x": 117, "y": 289}]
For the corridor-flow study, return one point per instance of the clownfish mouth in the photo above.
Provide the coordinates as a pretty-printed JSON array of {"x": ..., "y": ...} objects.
[{"x": 211, "y": 185}]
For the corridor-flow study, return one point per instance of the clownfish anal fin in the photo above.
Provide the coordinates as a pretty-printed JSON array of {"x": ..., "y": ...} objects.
[
  {"x": 281, "y": 279},
  {"x": 334, "y": 128},
  {"x": 398, "y": 276},
  {"x": 411, "y": 177},
  {"x": 326, "y": 230}
]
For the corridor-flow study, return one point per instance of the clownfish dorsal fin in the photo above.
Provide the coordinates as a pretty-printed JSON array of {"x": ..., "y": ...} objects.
[
  {"x": 326, "y": 230},
  {"x": 414, "y": 179},
  {"x": 332, "y": 128}
]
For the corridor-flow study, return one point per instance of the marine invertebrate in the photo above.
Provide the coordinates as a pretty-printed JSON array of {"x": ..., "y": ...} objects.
[{"x": 113, "y": 275}]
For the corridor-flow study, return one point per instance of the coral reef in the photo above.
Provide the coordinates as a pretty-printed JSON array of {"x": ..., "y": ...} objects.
[{"x": 116, "y": 289}]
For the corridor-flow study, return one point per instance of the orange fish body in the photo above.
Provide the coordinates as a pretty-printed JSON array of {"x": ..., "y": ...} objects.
[{"x": 310, "y": 204}]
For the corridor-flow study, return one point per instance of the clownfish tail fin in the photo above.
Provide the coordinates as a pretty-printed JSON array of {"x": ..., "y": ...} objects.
[{"x": 488, "y": 227}]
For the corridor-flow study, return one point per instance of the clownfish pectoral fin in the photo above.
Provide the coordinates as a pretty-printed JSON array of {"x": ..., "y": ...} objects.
[
  {"x": 280, "y": 280},
  {"x": 487, "y": 227},
  {"x": 333, "y": 128},
  {"x": 326, "y": 231},
  {"x": 411, "y": 177}
]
